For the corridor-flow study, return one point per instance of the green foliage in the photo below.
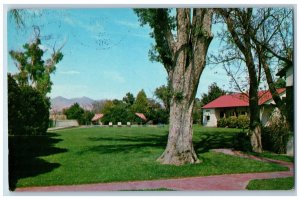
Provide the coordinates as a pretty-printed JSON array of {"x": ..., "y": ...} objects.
[
  {"x": 242, "y": 121},
  {"x": 241, "y": 142},
  {"x": 222, "y": 122},
  {"x": 33, "y": 70},
  {"x": 197, "y": 114},
  {"x": 28, "y": 110},
  {"x": 159, "y": 20},
  {"x": 141, "y": 104},
  {"x": 232, "y": 122},
  {"x": 275, "y": 136},
  {"x": 157, "y": 114},
  {"x": 164, "y": 94},
  {"x": 178, "y": 96},
  {"x": 74, "y": 112},
  {"x": 280, "y": 83},
  {"x": 116, "y": 111},
  {"x": 83, "y": 117},
  {"x": 129, "y": 99},
  {"x": 214, "y": 91},
  {"x": 14, "y": 107}
]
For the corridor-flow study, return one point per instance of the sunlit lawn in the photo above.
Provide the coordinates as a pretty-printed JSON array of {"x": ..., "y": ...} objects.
[{"x": 94, "y": 155}]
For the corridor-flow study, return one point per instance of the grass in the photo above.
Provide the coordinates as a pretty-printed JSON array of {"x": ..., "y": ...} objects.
[
  {"x": 94, "y": 155},
  {"x": 274, "y": 156},
  {"x": 272, "y": 184}
]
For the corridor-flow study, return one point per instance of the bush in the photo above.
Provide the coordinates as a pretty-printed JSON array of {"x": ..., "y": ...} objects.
[
  {"x": 222, "y": 122},
  {"x": 275, "y": 136},
  {"x": 232, "y": 122},
  {"x": 241, "y": 141},
  {"x": 28, "y": 110},
  {"x": 241, "y": 121},
  {"x": 35, "y": 111}
]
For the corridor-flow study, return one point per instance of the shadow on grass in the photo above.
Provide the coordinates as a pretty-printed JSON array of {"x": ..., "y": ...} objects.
[
  {"x": 126, "y": 144},
  {"x": 24, "y": 153},
  {"x": 216, "y": 140},
  {"x": 203, "y": 143}
]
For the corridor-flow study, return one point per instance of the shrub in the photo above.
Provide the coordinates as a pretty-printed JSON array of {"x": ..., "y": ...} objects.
[
  {"x": 241, "y": 141},
  {"x": 275, "y": 136},
  {"x": 222, "y": 122},
  {"x": 28, "y": 110},
  {"x": 243, "y": 121},
  {"x": 232, "y": 122},
  {"x": 35, "y": 111}
]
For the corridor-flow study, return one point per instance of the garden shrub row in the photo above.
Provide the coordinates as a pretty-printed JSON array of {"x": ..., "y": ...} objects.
[{"x": 241, "y": 121}]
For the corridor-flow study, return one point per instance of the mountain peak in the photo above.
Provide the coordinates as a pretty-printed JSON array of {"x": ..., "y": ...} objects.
[{"x": 59, "y": 103}]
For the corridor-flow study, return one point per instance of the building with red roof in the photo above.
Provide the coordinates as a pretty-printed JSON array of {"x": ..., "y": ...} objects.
[
  {"x": 97, "y": 118},
  {"x": 238, "y": 104}
]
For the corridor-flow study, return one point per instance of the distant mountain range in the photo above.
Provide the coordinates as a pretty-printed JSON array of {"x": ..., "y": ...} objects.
[{"x": 59, "y": 103}]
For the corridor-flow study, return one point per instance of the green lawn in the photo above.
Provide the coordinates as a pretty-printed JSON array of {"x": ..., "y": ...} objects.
[
  {"x": 93, "y": 155},
  {"x": 272, "y": 184}
]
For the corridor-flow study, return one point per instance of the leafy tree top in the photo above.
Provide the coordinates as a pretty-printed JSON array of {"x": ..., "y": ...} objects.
[
  {"x": 33, "y": 70},
  {"x": 214, "y": 91}
]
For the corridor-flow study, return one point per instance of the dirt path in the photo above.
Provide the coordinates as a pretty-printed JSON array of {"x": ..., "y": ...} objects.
[{"x": 203, "y": 183}]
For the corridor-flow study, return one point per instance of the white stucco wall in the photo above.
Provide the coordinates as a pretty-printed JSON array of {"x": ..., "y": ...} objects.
[
  {"x": 213, "y": 113},
  {"x": 289, "y": 77}
]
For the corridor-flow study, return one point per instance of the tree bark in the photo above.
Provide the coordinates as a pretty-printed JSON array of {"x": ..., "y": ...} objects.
[{"x": 189, "y": 58}]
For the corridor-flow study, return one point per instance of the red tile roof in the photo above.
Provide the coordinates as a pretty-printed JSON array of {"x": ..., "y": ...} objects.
[
  {"x": 239, "y": 99},
  {"x": 141, "y": 115},
  {"x": 97, "y": 117}
]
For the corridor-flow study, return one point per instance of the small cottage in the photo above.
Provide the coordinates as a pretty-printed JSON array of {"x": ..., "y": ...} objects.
[{"x": 238, "y": 104}]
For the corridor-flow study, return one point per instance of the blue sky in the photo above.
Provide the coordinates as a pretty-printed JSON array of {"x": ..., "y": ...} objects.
[{"x": 105, "y": 53}]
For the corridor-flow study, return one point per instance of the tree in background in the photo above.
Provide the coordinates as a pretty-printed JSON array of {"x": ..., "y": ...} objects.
[
  {"x": 141, "y": 105},
  {"x": 183, "y": 56},
  {"x": 129, "y": 99},
  {"x": 214, "y": 91},
  {"x": 98, "y": 106},
  {"x": 197, "y": 114},
  {"x": 83, "y": 117},
  {"x": 164, "y": 94},
  {"x": 115, "y": 111}
]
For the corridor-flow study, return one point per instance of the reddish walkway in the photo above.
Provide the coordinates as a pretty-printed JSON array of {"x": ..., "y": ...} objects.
[{"x": 216, "y": 182}]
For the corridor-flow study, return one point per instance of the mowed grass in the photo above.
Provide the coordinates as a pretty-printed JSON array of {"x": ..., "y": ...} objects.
[
  {"x": 98, "y": 155},
  {"x": 272, "y": 184}
]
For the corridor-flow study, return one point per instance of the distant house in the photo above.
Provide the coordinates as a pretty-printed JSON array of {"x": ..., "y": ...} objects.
[
  {"x": 238, "y": 104},
  {"x": 97, "y": 119},
  {"x": 141, "y": 115}
]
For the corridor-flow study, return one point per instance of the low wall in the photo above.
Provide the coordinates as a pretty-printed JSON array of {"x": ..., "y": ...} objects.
[{"x": 66, "y": 123}]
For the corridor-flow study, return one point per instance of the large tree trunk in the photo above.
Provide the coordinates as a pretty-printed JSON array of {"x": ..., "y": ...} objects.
[
  {"x": 189, "y": 61},
  {"x": 180, "y": 148}
]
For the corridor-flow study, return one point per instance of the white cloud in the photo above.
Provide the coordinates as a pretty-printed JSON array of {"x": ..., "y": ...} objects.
[
  {"x": 128, "y": 24},
  {"x": 113, "y": 75},
  {"x": 69, "y": 72},
  {"x": 95, "y": 27}
]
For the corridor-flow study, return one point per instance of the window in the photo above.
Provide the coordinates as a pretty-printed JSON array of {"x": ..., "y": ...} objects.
[
  {"x": 222, "y": 114},
  {"x": 207, "y": 118}
]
